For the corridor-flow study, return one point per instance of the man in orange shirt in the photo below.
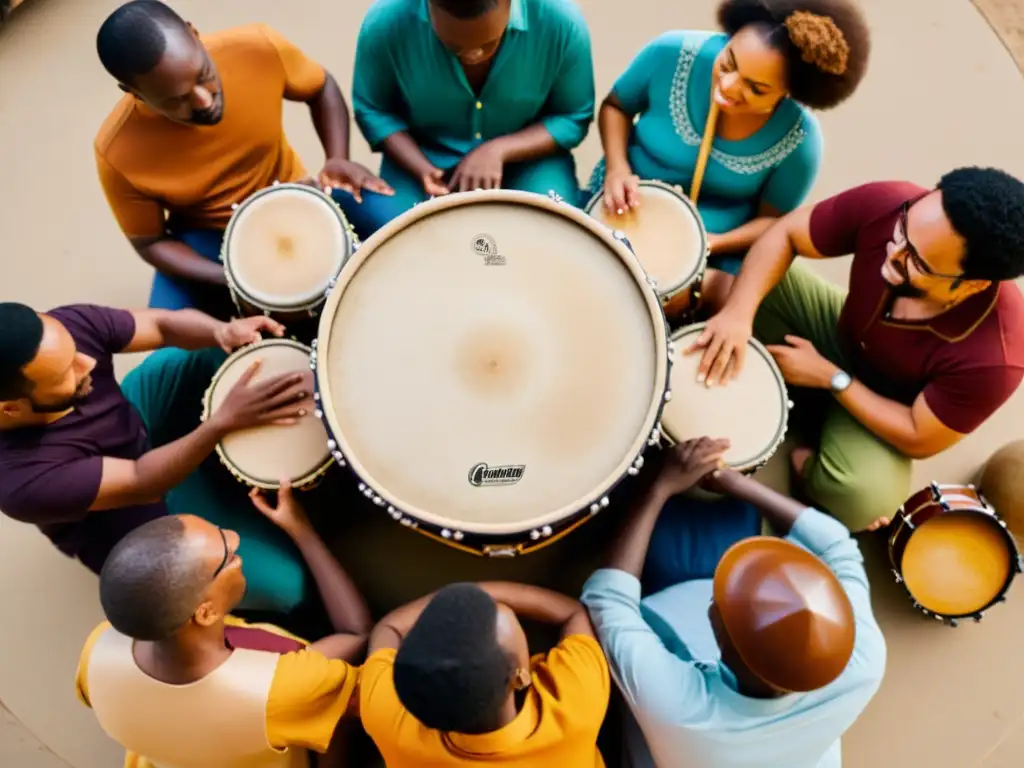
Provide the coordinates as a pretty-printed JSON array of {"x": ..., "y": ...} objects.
[
  {"x": 200, "y": 129},
  {"x": 461, "y": 687}
]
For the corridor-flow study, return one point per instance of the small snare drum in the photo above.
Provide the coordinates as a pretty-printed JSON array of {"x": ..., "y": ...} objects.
[
  {"x": 752, "y": 411},
  {"x": 261, "y": 456},
  {"x": 952, "y": 553},
  {"x": 457, "y": 381},
  {"x": 669, "y": 238},
  {"x": 283, "y": 250}
]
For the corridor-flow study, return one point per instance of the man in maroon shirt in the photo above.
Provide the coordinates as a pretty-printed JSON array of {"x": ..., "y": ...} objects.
[
  {"x": 925, "y": 346},
  {"x": 87, "y": 460}
]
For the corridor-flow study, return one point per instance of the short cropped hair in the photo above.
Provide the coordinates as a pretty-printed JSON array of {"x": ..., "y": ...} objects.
[
  {"x": 133, "y": 39},
  {"x": 986, "y": 208},
  {"x": 19, "y": 344},
  {"x": 466, "y": 9},
  {"x": 826, "y": 43},
  {"x": 450, "y": 672},
  {"x": 150, "y": 585}
]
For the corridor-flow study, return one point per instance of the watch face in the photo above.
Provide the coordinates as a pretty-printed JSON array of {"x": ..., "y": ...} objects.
[{"x": 841, "y": 381}]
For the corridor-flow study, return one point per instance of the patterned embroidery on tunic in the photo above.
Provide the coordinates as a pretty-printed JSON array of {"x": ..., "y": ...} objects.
[{"x": 742, "y": 164}]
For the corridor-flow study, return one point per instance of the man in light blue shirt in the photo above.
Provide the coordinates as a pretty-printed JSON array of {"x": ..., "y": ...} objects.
[
  {"x": 473, "y": 94},
  {"x": 783, "y": 661}
]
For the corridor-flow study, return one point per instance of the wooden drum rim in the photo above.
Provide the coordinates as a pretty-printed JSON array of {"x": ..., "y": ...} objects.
[
  {"x": 349, "y": 237},
  {"x": 697, "y": 273},
  {"x": 410, "y": 516}
]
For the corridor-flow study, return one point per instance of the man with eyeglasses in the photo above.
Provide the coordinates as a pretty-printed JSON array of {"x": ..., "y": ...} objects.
[
  {"x": 176, "y": 680},
  {"x": 926, "y": 345}
]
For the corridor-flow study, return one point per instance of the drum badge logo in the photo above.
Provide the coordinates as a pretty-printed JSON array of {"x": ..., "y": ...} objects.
[
  {"x": 506, "y": 474},
  {"x": 486, "y": 246}
]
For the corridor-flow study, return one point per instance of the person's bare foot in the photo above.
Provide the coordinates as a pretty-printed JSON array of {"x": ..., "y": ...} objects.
[{"x": 882, "y": 522}]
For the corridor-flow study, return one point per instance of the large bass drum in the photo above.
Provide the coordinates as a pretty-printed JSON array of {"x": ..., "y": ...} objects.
[{"x": 491, "y": 365}]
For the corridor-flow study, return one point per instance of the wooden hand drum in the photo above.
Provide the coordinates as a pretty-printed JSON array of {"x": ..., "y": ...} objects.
[{"x": 1002, "y": 484}]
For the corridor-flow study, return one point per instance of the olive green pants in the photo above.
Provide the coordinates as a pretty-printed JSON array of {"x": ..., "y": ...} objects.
[{"x": 854, "y": 476}]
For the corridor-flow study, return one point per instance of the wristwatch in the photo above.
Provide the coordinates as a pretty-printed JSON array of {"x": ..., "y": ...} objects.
[{"x": 839, "y": 382}]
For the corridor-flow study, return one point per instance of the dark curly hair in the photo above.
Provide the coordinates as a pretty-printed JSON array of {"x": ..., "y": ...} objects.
[
  {"x": 133, "y": 38},
  {"x": 450, "y": 672},
  {"x": 826, "y": 43},
  {"x": 986, "y": 208}
]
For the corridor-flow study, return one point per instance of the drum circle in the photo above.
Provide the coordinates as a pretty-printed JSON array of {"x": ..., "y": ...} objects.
[
  {"x": 978, "y": 536},
  {"x": 311, "y": 213},
  {"x": 301, "y": 445},
  {"x": 665, "y": 217},
  {"x": 506, "y": 538}
]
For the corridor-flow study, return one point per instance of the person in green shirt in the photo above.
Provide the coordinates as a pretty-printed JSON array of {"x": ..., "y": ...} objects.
[{"x": 473, "y": 94}]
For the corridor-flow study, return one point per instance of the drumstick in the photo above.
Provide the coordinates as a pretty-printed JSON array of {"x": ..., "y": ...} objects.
[{"x": 705, "y": 148}]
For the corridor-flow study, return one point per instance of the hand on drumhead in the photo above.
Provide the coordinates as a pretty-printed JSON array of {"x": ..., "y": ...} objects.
[
  {"x": 278, "y": 400},
  {"x": 723, "y": 344},
  {"x": 351, "y": 177},
  {"x": 433, "y": 183},
  {"x": 621, "y": 190},
  {"x": 684, "y": 465},
  {"x": 237, "y": 333},
  {"x": 287, "y": 514},
  {"x": 482, "y": 168}
]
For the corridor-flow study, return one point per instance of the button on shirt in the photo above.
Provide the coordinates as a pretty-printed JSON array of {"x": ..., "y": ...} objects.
[
  {"x": 663, "y": 656},
  {"x": 406, "y": 80}
]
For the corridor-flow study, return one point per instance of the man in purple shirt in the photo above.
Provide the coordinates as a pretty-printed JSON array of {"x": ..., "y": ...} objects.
[{"x": 87, "y": 460}]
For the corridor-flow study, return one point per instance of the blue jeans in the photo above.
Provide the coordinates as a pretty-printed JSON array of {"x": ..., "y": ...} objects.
[
  {"x": 691, "y": 536},
  {"x": 176, "y": 293}
]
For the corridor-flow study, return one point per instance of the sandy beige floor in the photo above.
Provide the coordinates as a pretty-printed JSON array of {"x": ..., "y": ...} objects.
[{"x": 941, "y": 92}]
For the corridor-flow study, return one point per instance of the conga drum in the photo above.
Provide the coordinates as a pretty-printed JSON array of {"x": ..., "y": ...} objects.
[
  {"x": 283, "y": 249},
  {"x": 491, "y": 365},
  {"x": 261, "y": 456},
  {"x": 1002, "y": 485},
  {"x": 752, "y": 411},
  {"x": 952, "y": 553},
  {"x": 668, "y": 236}
]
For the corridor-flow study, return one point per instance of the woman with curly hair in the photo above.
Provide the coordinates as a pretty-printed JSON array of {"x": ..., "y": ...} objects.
[{"x": 775, "y": 61}]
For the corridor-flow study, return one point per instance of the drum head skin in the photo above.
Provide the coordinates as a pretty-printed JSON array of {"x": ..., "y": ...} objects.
[
  {"x": 751, "y": 411},
  {"x": 262, "y": 456},
  {"x": 665, "y": 232},
  {"x": 492, "y": 361},
  {"x": 957, "y": 563},
  {"x": 284, "y": 244}
]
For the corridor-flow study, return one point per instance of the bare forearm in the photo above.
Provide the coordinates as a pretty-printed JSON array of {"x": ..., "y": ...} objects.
[
  {"x": 615, "y": 127},
  {"x": 743, "y": 237},
  {"x": 535, "y": 603},
  {"x": 331, "y": 119},
  {"x": 528, "y": 144},
  {"x": 186, "y": 328},
  {"x": 887, "y": 419},
  {"x": 401, "y": 148},
  {"x": 779, "y": 510},
  {"x": 763, "y": 268},
  {"x": 344, "y": 603},
  {"x": 630, "y": 548},
  {"x": 174, "y": 258}
]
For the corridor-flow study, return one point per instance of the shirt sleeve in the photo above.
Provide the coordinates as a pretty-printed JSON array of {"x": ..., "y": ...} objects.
[
  {"x": 303, "y": 77},
  {"x": 831, "y": 541},
  {"x": 308, "y": 696},
  {"x": 577, "y": 671},
  {"x": 632, "y": 89},
  {"x": 964, "y": 400},
  {"x": 791, "y": 182},
  {"x": 376, "y": 97},
  {"x": 52, "y": 492},
  {"x": 379, "y": 706},
  {"x": 652, "y": 679},
  {"x": 570, "y": 106},
  {"x": 836, "y": 222},
  {"x": 138, "y": 215},
  {"x": 111, "y": 329}
]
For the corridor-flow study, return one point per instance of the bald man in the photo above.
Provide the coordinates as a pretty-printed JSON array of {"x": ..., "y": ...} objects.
[
  {"x": 176, "y": 680},
  {"x": 200, "y": 129},
  {"x": 765, "y": 658}
]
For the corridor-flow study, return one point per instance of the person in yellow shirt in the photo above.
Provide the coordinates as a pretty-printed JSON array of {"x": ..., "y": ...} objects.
[
  {"x": 200, "y": 129},
  {"x": 450, "y": 682},
  {"x": 177, "y": 680}
]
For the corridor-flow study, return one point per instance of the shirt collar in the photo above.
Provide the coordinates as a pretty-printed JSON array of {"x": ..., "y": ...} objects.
[
  {"x": 959, "y": 322},
  {"x": 516, "y": 18},
  {"x": 506, "y": 737}
]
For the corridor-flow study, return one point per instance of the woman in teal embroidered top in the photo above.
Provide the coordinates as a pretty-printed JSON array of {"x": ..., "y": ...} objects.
[{"x": 776, "y": 59}]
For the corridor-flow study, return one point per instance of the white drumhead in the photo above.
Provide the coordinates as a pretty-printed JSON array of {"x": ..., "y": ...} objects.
[
  {"x": 284, "y": 244},
  {"x": 498, "y": 329},
  {"x": 264, "y": 455},
  {"x": 751, "y": 411},
  {"x": 665, "y": 232}
]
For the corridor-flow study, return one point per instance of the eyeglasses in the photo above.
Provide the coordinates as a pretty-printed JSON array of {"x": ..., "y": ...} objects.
[
  {"x": 227, "y": 553},
  {"x": 903, "y": 244}
]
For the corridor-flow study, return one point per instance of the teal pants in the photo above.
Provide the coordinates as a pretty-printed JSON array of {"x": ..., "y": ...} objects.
[{"x": 167, "y": 389}]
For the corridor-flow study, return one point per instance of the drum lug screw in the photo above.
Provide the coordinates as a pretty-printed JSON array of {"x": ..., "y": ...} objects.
[
  {"x": 977, "y": 618},
  {"x": 313, "y": 344},
  {"x": 595, "y": 508},
  {"x": 319, "y": 413},
  {"x": 234, "y": 206},
  {"x": 789, "y": 404},
  {"x": 368, "y": 493},
  {"x": 276, "y": 182},
  {"x": 316, "y": 396},
  {"x": 446, "y": 534},
  {"x": 953, "y": 623},
  {"x": 554, "y": 196},
  {"x": 671, "y": 350},
  {"x": 545, "y": 531},
  {"x": 457, "y": 535},
  {"x": 604, "y": 501},
  {"x": 362, "y": 487},
  {"x": 534, "y": 534},
  {"x": 379, "y": 501},
  {"x": 639, "y": 463},
  {"x": 668, "y": 395},
  {"x": 331, "y": 445},
  {"x": 406, "y": 522}
]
